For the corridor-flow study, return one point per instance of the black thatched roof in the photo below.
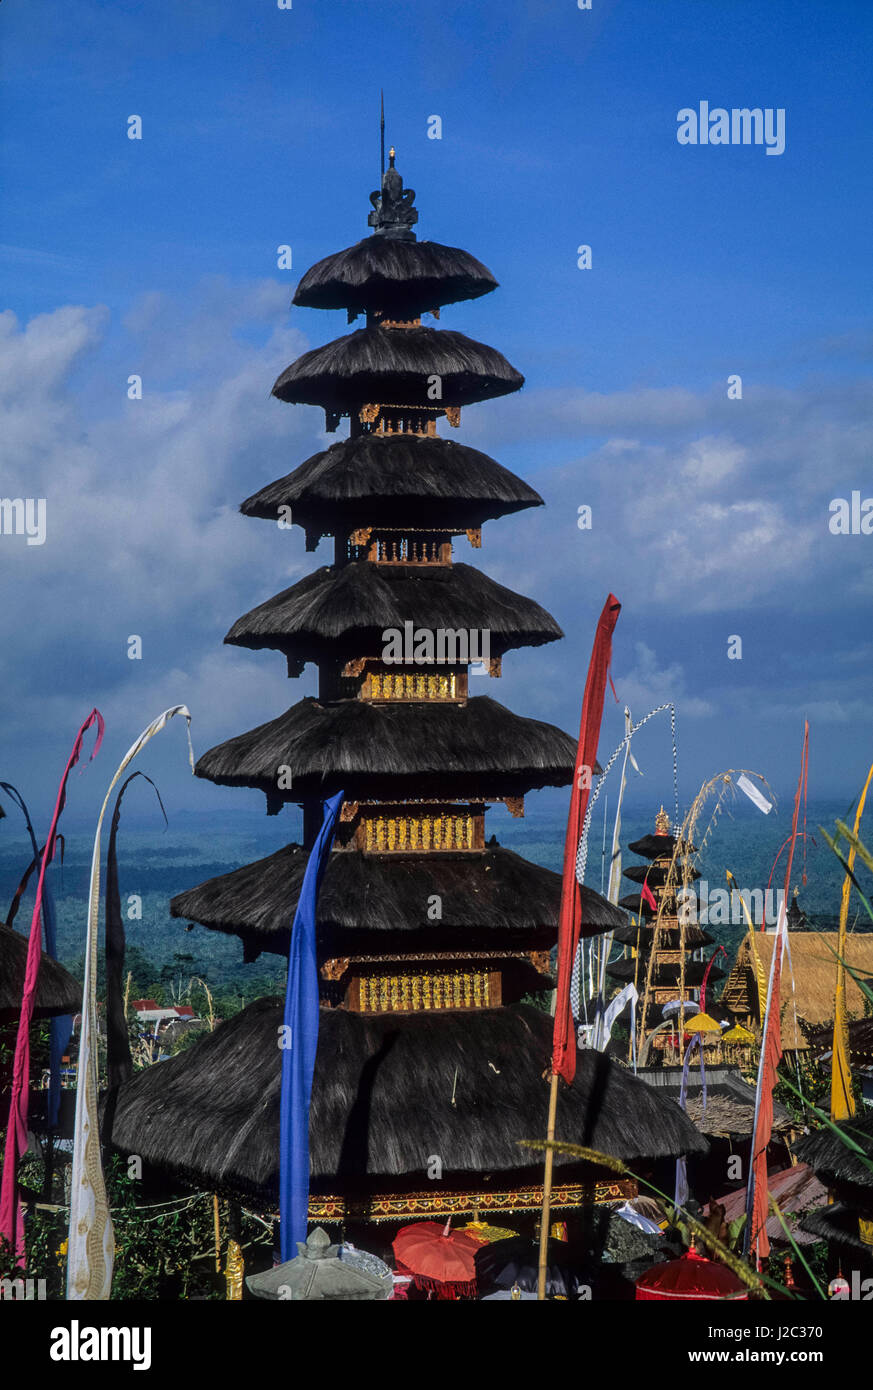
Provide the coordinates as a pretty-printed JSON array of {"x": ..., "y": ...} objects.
[
  {"x": 832, "y": 1160},
  {"x": 392, "y": 366},
  {"x": 694, "y": 936},
  {"x": 339, "y": 613},
  {"x": 398, "y": 751},
  {"x": 56, "y": 992},
  {"x": 396, "y": 479},
  {"x": 401, "y": 278},
  {"x": 633, "y": 902},
  {"x": 481, "y": 894},
  {"x": 838, "y": 1225},
  {"x": 655, "y": 875},
  {"x": 656, "y": 846},
  {"x": 389, "y": 1091},
  {"x": 665, "y": 974}
]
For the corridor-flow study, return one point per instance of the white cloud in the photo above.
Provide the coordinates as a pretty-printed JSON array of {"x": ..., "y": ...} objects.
[{"x": 647, "y": 685}]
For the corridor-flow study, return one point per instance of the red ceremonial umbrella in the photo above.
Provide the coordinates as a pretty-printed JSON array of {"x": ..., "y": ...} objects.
[
  {"x": 692, "y": 1276},
  {"x": 438, "y": 1258}
]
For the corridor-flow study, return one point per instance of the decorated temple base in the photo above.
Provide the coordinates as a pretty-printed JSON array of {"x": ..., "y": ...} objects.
[{"x": 428, "y": 1205}]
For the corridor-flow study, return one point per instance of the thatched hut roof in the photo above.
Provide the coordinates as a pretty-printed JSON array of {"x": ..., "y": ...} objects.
[
  {"x": 838, "y": 1225},
  {"x": 397, "y": 479},
  {"x": 388, "y": 751},
  {"x": 393, "y": 366},
  {"x": 664, "y": 974},
  {"x": 400, "y": 278},
  {"x": 56, "y": 992},
  {"x": 339, "y": 613},
  {"x": 362, "y": 895},
  {"x": 809, "y": 977},
  {"x": 860, "y": 1042},
  {"x": 389, "y": 1091},
  {"x": 730, "y": 1101},
  {"x": 834, "y": 1162}
]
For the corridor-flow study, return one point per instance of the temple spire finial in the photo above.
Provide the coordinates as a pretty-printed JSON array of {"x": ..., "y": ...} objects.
[{"x": 393, "y": 214}]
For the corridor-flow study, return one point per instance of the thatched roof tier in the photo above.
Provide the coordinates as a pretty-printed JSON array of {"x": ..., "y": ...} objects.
[
  {"x": 56, "y": 991},
  {"x": 400, "y": 278},
  {"x": 336, "y": 614},
  {"x": 657, "y": 846},
  {"x": 665, "y": 974},
  {"x": 362, "y": 895},
  {"x": 633, "y": 902},
  {"x": 396, "y": 479},
  {"x": 655, "y": 875},
  {"x": 394, "y": 366},
  {"x": 809, "y": 975},
  {"x": 694, "y": 936},
  {"x": 479, "y": 750},
  {"x": 860, "y": 1042},
  {"x": 730, "y": 1101},
  {"x": 389, "y": 1091},
  {"x": 838, "y": 1225},
  {"x": 834, "y": 1161}
]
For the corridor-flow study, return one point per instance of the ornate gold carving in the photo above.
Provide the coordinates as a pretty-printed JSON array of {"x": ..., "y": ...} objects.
[
  {"x": 515, "y": 806},
  {"x": 335, "y": 968},
  {"x": 662, "y": 823},
  {"x": 234, "y": 1270},
  {"x": 474, "y": 536},
  {"x": 407, "y": 833},
  {"x": 453, "y": 415},
  {"x": 369, "y": 414},
  {"x": 396, "y": 1206},
  {"x": 436, "y": 989},
  {"x": 349, "y": 810}
]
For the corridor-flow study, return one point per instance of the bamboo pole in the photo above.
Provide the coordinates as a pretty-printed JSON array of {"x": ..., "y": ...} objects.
[
  {"x": 547, "y": 1189},
  {"x": 216, "y": 1226}
]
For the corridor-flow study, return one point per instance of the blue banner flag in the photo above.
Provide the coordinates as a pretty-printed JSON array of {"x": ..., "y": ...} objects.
[{"x": 298, "y": 1042}]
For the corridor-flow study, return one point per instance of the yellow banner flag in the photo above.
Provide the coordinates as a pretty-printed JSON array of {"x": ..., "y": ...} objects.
[{"x": 842, "y": 1099}]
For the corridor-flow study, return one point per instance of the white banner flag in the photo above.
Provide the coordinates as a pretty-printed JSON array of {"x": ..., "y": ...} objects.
[{"x": 754, "y": 795}]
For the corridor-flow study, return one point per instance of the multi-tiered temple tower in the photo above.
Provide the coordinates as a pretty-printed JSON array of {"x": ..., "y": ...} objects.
[
  {"x": 429, "y": 1067},
  {"x": 667, "y": 964}
]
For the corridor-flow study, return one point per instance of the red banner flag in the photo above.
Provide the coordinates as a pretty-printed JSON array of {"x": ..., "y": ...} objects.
[
  {"x": 570, "y": 922},
  {"x": 11, "y": 1219},
  {"x": 648, "y": 897},
  {"x": 757, "y": 1204}
]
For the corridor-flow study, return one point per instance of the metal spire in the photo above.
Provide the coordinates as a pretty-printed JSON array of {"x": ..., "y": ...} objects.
[{"x": 382, "y": 131}]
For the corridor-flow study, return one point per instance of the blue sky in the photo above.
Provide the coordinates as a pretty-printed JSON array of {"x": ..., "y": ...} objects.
[{"x": 260, "y": 127}]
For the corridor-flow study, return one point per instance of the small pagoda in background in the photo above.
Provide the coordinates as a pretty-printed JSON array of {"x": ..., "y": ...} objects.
[
  {"x": 666, "y": 963},
  {"x": 430, "y": 1063}
]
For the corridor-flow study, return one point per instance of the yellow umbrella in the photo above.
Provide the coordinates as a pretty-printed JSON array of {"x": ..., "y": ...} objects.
[
  {"x": 702, "y": 1023},
  {"x": 738, "y": 1034}
]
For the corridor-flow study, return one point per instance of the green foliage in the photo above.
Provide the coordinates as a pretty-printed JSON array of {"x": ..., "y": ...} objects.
[{"x": 167, "y": 1251}]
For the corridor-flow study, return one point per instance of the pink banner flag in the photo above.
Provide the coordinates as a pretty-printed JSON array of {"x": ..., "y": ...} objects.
[{"x": 11, "y": 1222}]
